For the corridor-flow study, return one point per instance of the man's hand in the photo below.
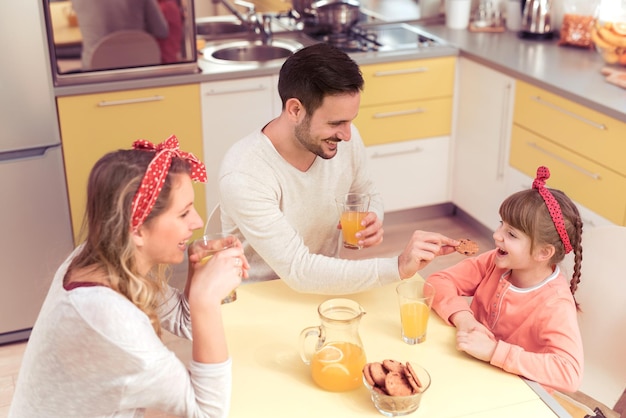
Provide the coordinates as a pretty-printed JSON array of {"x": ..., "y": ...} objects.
[
  {"x": 373, "y": 233},
  {"x": 422, "y": 248}
]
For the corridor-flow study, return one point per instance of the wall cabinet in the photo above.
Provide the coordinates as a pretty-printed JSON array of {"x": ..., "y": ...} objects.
[
  {"x": 405, "y": 120},
  {"x": 481, "y": 140},
  {"x": 94, "y": 124},
  {"x": 584, "y": 149},
  {"x": 231, "y": 110}
]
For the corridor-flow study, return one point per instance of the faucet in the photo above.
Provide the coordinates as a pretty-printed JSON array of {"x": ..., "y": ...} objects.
[{"x": 257, "y": 23}]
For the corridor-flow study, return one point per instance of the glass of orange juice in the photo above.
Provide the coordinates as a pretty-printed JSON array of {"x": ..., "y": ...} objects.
[
  {"x": 353, "y": 207},
  {"x": 208, "y": 245},
  {"x": 415, "y": 298}
]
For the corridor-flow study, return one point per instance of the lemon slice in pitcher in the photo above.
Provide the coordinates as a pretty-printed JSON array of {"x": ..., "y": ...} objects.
[{"x": 329, "y": 354}]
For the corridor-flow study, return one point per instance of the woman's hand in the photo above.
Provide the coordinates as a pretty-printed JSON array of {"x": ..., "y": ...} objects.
[{"x": 215, "y": 278}]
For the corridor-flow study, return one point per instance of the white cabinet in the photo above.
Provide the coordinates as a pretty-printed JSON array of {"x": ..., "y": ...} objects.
[
  {"x": 481, "y": 141},
  {"x": 404, "y": 172},
  {"x": 405, "y": 120},
  {"x": 232, "y": 109}
]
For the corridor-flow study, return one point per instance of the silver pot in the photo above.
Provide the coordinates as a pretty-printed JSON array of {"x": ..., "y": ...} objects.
[{"x": 336, "y": 16}]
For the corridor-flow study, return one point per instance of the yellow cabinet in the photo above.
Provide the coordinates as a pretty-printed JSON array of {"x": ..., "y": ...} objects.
[
  {"x": 406, "y": 100},
  {"x": 584, "y": 149},
  {"x": 572, "y": 126},
  {"x": 405, "y": 120},
  {"x": 94, "y": 124}
]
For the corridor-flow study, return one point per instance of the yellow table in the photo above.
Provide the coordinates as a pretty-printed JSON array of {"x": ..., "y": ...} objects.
[{"x": 263, "y": 328}]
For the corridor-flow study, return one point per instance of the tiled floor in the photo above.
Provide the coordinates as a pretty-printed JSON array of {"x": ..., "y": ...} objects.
[{"x": 397, "y": 233}]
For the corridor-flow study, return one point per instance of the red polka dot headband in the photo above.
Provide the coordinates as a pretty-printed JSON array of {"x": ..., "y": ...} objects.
[
  {"x": 543, "y": 174},
  {"x": 157, "y": 170}
]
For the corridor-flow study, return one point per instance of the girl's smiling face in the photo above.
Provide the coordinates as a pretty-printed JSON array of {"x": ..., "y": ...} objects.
[{"x": 513, "y": 248}]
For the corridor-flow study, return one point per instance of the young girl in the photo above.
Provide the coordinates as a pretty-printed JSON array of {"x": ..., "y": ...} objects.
[
  {"x": 95, "y": 349},
  {"x": 522, "y": 317}
]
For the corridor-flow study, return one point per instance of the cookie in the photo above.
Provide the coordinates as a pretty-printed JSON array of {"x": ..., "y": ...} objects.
[
  {"x": 378, "y": 373},
  {"x": 396, "y": 384},
  {"x": 393, "y": 366},
  {"x": 467, "y": 247},
  {"x": 368, "y": 375},
  {"x": 412, "y": 378}
]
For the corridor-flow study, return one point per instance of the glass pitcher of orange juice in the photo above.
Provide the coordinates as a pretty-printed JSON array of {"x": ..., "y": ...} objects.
[{"x": 337, "y": 356}]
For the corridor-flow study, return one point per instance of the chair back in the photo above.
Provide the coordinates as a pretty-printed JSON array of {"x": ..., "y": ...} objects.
[
  {"x": 125, "y": 48},
  {"x": 602, "y": 296}
]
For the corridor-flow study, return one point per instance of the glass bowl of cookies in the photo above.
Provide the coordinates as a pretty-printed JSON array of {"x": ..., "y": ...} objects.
[{"x": 396, "y": 388}]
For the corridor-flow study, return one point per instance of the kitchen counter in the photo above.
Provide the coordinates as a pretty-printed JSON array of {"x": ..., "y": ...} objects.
[
  {"x": 573, "y": 73},
  {"x": 212, "y": 71},
  {"x": 570, "y": 72}
]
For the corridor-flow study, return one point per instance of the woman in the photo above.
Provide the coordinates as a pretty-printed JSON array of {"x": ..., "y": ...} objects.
[{"x": 95, "y": 349}]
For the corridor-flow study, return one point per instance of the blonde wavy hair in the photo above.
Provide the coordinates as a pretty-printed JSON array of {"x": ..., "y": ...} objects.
[{"x": 107, "y": 246}]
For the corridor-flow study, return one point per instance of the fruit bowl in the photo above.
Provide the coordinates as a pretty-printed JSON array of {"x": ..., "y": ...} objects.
[{"x": 610, "y": 41}]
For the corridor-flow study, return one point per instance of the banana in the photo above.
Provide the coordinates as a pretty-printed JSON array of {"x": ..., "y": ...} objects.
[
  {"x": 611, "y": 38},
  {"x": 600, "y": 42}
]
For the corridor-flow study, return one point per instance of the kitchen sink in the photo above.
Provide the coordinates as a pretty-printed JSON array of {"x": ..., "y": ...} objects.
[{"x": 251, "y": 51}]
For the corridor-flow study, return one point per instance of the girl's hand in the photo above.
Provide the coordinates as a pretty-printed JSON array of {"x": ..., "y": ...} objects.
[
  {"x": 476, "y": 343},
  {"x": 465, "y": 321}
]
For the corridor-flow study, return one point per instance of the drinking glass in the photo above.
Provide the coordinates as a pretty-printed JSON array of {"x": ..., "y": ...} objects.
[
  {"x": 415, "y": 298},
  {"x": 208, "y": 245},
  {"x": 353, "y": 207}
]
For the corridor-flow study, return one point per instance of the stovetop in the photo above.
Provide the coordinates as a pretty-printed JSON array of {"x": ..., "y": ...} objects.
[{"x": 380, "y": 37}]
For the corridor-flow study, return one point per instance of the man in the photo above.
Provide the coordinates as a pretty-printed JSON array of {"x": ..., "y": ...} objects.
[{"x": 278, "y": 185}]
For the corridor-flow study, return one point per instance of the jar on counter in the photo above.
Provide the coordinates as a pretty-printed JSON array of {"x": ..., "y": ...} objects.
[
  {"x": 577, "y": 23},
  {"x": 513, "y": 15}
]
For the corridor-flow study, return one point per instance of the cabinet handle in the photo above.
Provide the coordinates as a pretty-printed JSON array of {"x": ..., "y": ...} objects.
[
  {"x": 597, "y": 125},
  {"x": 398, "y": 113},
  {"x": 503, "y": 130},
  {"x": 105, "y": 103},
  {"x": 396, "y": 153},
  {"x": 215, "y": 92},
  {"x": 570, "y": 164},
  {"x": 400, "y": 72}
]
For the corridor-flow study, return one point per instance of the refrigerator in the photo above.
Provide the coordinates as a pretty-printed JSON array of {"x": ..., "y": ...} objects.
[{"x": 35, "y": 229}]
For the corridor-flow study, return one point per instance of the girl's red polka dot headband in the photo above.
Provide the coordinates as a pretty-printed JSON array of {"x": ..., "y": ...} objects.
[
  {"x": 543, "y": 174},
  {"x": 157, "y": 170}
]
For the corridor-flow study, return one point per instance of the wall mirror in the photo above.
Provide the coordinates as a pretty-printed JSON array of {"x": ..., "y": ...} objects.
[{"x": 97, "y": 41}]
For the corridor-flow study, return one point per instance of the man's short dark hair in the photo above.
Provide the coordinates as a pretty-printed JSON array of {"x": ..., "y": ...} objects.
[{"x": 315, "y": 72}]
